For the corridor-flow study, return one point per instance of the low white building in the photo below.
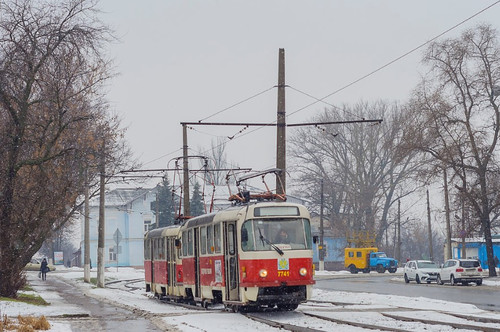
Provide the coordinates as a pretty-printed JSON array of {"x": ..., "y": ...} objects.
[{"x": 127, "y": 214}]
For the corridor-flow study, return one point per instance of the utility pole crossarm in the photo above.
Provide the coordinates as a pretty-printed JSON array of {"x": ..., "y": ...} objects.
[{"x": 274, "y": 124}]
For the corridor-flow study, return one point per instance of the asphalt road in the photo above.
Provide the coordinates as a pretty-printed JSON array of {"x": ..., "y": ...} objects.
[{"x": 484, "y": 297}]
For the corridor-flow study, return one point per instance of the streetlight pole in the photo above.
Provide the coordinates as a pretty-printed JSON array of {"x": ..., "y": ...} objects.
[{"x": 321, "y": 251}]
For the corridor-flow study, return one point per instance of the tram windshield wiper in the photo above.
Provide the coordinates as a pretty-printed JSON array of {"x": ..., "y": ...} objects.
[{"x": 263, "y": 239}]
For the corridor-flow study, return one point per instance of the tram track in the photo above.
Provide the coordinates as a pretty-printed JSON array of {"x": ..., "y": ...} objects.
[
  {"x": 316, "y": 315},
  {"x": 323, "y": 318},
  {"x": 127, "y": 283},
  {"x": 398, "y": 319}
]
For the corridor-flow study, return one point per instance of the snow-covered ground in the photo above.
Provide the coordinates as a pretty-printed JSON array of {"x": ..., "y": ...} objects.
[{"x": 192, "y": 320}]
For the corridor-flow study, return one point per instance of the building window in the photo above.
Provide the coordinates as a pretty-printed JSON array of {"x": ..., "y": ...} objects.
[
  {"x": 147, "y": 225},
  {"x": 112, "y": 254}
]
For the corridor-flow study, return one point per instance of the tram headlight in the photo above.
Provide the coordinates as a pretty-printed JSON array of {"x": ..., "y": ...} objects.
[
  {"x": 263, "y": 273},
  {"x": 303, "y": 271}
]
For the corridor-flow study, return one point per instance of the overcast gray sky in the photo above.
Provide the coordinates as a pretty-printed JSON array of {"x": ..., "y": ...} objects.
[{"x": 182, "y": 61}]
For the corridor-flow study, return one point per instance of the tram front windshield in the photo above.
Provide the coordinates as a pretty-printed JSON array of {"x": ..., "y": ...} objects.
[{"x": 286, "y": 234}]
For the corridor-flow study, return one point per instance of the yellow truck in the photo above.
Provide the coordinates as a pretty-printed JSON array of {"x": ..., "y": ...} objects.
[{"x": 368, "y": 259}]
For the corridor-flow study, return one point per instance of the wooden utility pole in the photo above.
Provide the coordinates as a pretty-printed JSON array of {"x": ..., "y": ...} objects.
[
  {"x": 463, "y": 233},
  {"x": 281, "y": 127},
  {"x": 321, "y": 251},
  {"x": 429, "y": 227},
  {"x": 185, "y": 167},
  {"x": 101, "y": 229},
  {"x": 398, "y": 252},
  {"x": 86, "y": 238},
  {"x": 448, "y": 254}
]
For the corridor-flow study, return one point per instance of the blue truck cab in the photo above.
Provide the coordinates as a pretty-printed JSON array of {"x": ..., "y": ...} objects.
[
  {"x": 368, "y": 259},
  {"x": 380, "y": 262}
]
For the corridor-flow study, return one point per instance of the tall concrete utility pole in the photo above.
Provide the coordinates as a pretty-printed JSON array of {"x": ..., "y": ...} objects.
[
  {"x": 448, "y": 254},
  {"x": 101, "y": 229},
  {"x": 398, "y": 252},
  {"x": 281, "y": 127},
  {"x": 429, "y": 227},
  {"x": 185, "y": 168},
  {"x": 86, "y": 240}
]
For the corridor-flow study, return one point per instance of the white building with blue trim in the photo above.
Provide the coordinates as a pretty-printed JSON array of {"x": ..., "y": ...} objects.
[{"x": 127, "y": 212}]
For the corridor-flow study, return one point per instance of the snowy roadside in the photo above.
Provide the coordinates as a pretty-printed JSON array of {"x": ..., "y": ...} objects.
[
  {"x": 193, "y": 320},
  {"x": 494, "y": 282}
]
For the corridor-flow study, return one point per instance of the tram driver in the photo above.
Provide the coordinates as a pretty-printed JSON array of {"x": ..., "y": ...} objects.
[{"x": 282, "y": 237}]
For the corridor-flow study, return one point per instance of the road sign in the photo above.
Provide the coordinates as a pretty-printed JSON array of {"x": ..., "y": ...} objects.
[{"x": 117, "y": 236}]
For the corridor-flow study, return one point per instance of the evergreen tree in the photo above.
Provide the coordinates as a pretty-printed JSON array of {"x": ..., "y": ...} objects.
[
  {"x": 197, "y": 207},
  {"x": 166, "y": 203}
]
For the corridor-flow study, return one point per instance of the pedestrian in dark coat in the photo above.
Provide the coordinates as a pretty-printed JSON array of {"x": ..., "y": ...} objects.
[{"x": 44, "y": 269}]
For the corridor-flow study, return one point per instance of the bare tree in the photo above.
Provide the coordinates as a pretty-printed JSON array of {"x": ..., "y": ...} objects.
[
  {"x": 457, "y": 118},
  {"x": 52, "y": 121},
  {"x": 362, "y": 166},
  {"x": 218, "y": 160}
]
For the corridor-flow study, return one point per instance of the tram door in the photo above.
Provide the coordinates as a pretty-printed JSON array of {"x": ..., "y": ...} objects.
[
  {"x": 152, "y": 252},
  {"x": 231, "y": 262},
  {"x": 170, "y": 264},
  {"x": 196, "y": 232}
]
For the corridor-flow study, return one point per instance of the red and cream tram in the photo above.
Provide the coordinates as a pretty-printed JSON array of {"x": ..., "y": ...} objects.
[{"x": 254, "y": 255}]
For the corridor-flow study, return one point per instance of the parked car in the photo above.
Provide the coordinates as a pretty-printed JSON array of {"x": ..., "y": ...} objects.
[
  {"x": 461, "y": 271},
  {"x": 35, "y": 263},
  {"x": 421, "y": 271}
]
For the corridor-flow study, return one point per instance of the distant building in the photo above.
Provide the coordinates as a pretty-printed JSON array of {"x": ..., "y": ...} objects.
[
  {"x": 333, "y": 242},
  {"x": 334, "y": 252},
  {"x": 128, "y": 213},
  {"x": 475, "y": 248}
]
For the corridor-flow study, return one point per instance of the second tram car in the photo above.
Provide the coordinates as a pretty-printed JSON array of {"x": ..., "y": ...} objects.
[{"x": 255, "y": 255}]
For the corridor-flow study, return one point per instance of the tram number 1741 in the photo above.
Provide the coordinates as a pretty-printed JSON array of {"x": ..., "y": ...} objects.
[{"x": 283, "y": 273}]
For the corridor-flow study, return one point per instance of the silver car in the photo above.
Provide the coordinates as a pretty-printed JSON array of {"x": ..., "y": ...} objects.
[
  {"x": 421, "y": 271},
  {"x": 461, "y": 271}
]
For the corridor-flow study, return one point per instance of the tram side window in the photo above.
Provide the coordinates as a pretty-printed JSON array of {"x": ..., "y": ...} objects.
[
  {"x": 162, "y": 248},
  {"x": 190, "y": 242},
  {"x": 210, "y": 239},
  {"x": 168, "y": 252},
  {"x": 217, "y": 238},
  {"x": 147, "y": 249},
  {"x": 159, "y": 248},
  {"x": 184, "y": 244},
  {"x": 155, "y": 249},
  {"x": 203, "y": 232}
]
